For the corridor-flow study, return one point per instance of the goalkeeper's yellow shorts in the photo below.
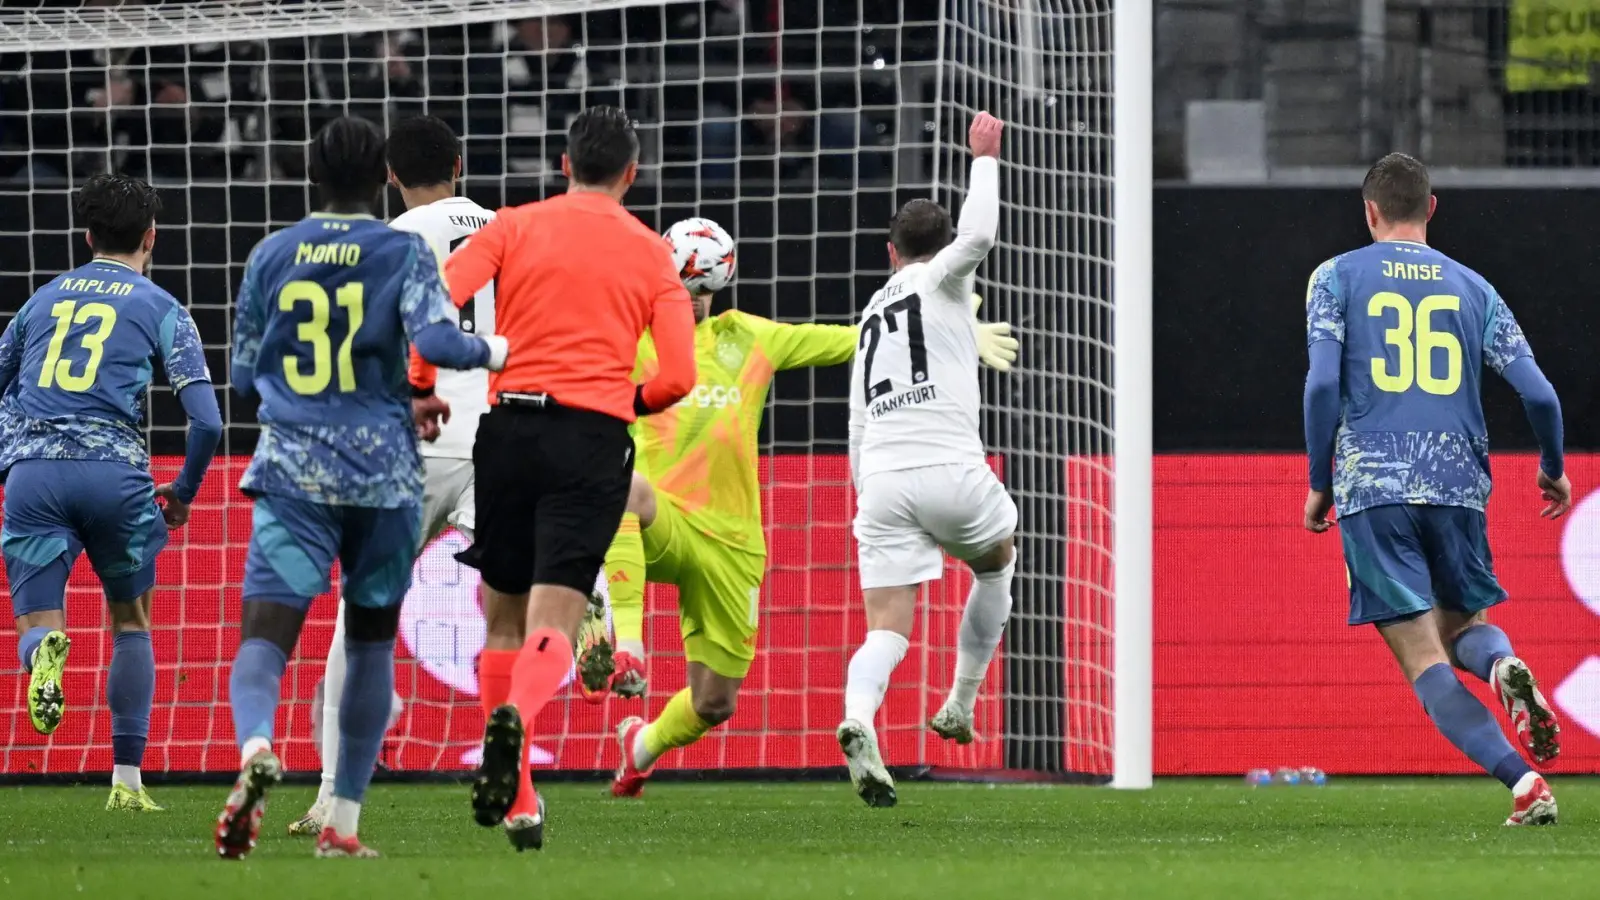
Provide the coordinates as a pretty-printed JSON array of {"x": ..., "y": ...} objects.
[{"x": 719, "y": 589}]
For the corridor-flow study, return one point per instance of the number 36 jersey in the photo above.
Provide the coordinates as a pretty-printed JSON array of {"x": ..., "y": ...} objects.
[
  {"x": 446, "y": 225},
  {"x": 1416, "y": 329},
  {"x": 914, "y": 397},
  {"x": 322, "y": 331},
  {"x": 76, "y": 360}
]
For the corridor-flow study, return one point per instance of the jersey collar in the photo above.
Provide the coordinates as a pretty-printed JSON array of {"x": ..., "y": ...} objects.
[
  {"x": 343, "y": 216},
  {"x": 111, "y": 262}
]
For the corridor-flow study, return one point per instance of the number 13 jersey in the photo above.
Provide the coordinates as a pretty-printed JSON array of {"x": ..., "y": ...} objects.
[
  {"x": 914, "y": 396},
  {"x": 76, "y": 360},
  {"x": 1416, "y": 329}
]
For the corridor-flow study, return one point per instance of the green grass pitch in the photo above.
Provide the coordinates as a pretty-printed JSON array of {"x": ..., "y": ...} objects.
[{"x": 1184, "y": 839}]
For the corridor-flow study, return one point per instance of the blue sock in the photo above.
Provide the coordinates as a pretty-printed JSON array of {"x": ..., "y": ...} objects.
[
  {"x": 1468, "y": 724},
  {"x": 253, "y": 688},
  {"x": 130, "y": 689},
  {"x": 1480, "y": 647},
  {"x": 363, "y": 714},
  {"x": 29, "y": 642}
]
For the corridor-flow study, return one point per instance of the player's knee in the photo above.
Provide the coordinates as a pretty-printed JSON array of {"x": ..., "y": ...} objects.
[
  {"x": 125, "y": 617},
  {"x": 996, "y": 559},
  {"x": 715, "y": 706},
  {"x": 642, "y": 500},
  {"x": 371, "y": 624},
  {"x": 276, "y": 623}
]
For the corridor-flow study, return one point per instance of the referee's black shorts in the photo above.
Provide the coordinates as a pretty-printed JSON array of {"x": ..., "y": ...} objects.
[{"x": 552, "y": 485}]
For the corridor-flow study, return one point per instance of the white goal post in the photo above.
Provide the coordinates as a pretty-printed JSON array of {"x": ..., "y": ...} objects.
[{"x": 801, "y": 132}]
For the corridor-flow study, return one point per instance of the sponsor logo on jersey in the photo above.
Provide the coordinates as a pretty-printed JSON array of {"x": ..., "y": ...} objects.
[
  {"x": 707, "y": 396},
  {"x": 908, "y": 398}
]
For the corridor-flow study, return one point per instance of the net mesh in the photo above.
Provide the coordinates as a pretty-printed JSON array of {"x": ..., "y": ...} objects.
[{"x": 800, "y": 126}]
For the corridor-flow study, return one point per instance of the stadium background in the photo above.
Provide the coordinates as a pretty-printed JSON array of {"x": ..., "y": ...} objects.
[{"x": 1253, "y": 664}]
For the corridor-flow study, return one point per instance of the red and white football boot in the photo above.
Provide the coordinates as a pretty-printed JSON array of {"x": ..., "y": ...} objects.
[
  {"x": 1532, "y": 802},
  {"x": 1531, "y": 715},
  {"x": 629, "y": 780},
  {"x": 240, "y": 822}
]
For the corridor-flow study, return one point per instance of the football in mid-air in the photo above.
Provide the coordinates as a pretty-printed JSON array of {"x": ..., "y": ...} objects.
[{"x": 703, "y": 252}]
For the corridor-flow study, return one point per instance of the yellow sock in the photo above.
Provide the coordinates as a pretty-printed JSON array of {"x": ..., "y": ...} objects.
[
  {"x": 625, "y": 571},
  {"x": 677, "y": 726}
]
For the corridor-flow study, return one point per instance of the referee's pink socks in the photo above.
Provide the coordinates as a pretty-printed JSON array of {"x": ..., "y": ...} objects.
[
  {"x": 494, "y": 678},
  {"x": 542, "y": 666}
]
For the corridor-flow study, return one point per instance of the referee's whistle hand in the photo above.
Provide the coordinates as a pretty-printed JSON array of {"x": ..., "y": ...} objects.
[{"x": 429, "y": 414}]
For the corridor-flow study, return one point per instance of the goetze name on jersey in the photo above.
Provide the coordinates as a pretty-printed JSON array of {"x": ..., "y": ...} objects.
[
  {"x": 914, "y": 382},
  {"x": 446, "y": 225}
]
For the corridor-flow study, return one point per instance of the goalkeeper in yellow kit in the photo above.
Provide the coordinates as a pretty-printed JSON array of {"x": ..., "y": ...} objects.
[{"x": 694, "y": 513}]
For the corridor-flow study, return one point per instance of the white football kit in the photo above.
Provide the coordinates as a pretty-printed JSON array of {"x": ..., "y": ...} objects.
[
  {"x": 922, "y": 479},
  {"x": 447, "y": 489}
]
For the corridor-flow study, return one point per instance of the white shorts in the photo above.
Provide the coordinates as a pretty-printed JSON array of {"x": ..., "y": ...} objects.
[
  {"x": 904, "y": 518},
  {"x": 447, "y": 499}
]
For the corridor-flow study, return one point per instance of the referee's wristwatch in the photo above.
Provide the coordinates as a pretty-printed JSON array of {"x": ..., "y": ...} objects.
[{"x": 421, "y": 393}]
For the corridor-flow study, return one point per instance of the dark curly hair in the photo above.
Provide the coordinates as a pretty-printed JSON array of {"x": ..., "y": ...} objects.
[{"x": 117, "y": 210}]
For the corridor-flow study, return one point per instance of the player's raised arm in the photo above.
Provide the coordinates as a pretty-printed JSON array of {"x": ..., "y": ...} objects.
[
  {"x": 1325, "y": 333},
  {"x": 980, "y": 214},
  {"x": 672, "y": 329},
  {"x": 1506, "y": 351},
  {"x": 184, "y": 360},
  {"x": 428, "y": 326}
]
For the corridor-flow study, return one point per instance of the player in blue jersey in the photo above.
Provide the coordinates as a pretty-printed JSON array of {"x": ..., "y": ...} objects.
[
  {"x": 75, "y": 363},
  {"x": 1399, "y": 334},
  {"x": 325, "y": 313}
]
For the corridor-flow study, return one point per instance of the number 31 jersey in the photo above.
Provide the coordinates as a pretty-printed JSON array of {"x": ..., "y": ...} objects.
[
  {"x": 322, "y": 331},
  {"x": 1417, "y": 328},
  {"x": 914, "y": 396},
  {"x": 77, "y": 358},
  {"x": 446, "y": 225}
]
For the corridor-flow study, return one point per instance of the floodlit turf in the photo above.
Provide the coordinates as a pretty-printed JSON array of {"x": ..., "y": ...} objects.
[{"x": 1185, "y": 839}]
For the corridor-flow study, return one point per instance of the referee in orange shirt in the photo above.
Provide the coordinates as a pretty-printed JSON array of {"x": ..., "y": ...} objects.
[{"x": 577, "y": 281}]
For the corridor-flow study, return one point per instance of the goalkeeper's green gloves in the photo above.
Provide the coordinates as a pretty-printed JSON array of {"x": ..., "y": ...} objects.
[{"x": 996, "y": 347}]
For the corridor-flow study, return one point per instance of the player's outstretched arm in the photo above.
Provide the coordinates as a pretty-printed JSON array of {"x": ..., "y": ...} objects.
[
  {"x": 803, "y": 345},
  {"x": 980, "y": 214},
  {"x": 427, "y": 321}
]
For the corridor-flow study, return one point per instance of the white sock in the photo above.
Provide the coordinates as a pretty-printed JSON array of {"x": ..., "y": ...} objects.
[
  {"x": 634, "y": 649},
  {"x": 869, "y": 673},
  {"x": 251, "y": 748},
  {"x": 345, "y": 816},
  {"x": 325, "y": 790},
  {"x": 127, "y": 776},
  {"x": 642, "y": 757},
  {"x": 332, "y": 694},
  {"x": 982, "y": 624}
]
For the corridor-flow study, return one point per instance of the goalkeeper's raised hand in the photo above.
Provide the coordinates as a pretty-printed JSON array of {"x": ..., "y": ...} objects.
[{"x": 996, "y": 347}]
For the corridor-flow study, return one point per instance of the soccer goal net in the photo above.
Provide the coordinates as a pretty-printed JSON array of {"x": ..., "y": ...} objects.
[{"x": 800, "y": 126}]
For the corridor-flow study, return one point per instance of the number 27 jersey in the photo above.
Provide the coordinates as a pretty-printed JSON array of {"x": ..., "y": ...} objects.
[
  {"x": 914, "y": 395},
  {"x": 1417, "y": 329}
]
